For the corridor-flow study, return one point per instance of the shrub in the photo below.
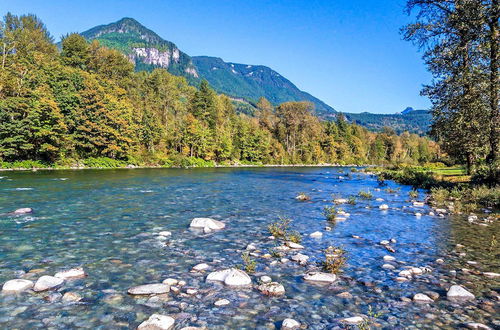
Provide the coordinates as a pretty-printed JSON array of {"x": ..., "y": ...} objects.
[
  {"x": 330, "y": 212},
  {"x": 335, "y": 259},
  {"x": 103, "y": 162},
  {"x": 279, "y": 229},
  {"x": 24, "y": 164},
  {"x": 351, "y": 200},
  {"x": 294, "y": 236},
  {"x": 413, "y": 193},
  {"x": 248, "y": 263},
  {"x": 365, "y": 194}
]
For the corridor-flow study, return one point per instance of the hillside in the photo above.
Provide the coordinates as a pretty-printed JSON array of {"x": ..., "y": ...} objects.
[
  {"x": 249, "y": 82},
  {"x": 414, "y": 121}
]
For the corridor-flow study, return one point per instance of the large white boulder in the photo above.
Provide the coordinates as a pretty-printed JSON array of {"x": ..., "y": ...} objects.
[
  {"x": 459, "y": 292},
  {"x": 71, "y": 273},
  {"x": 17, "y": 285},
  {"x": 207, "y": 224},
  {"x": 146, "y": 289},
  {"x": 320, "y": 277},
  {"x": 46, "y": 282},
  {"x": 157, "y": 322},
  {"x": 230, "y": 277}
]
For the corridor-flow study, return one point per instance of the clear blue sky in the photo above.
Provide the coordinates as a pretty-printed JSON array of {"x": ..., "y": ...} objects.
[{"x": 348, "y": 53}]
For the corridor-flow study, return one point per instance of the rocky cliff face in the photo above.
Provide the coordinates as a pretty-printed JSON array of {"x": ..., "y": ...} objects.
[{"x": 143, "y": 47}]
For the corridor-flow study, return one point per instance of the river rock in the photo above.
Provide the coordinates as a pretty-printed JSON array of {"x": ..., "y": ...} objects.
[
  {"x": 71, "y": 273},
  {"x": 383, "y": 207},
  {"x": 290, "y": 324},
  {"x": 146, "y": 289},
  {"x": 353, "y": 320},
  {"x": 420, "y": 297},
  {"x": 389, "y": 258},
  {"x": 300, "y": 258},
  {"x": 418, "y": 204},
  {"x": 316, "y": 234},
  {"x": 320, "y": 277},
  {"x": 222, "y": 302},
  {"x": 170, "y": 281},
  {"x": 416, "y": 271},
  {"x": 405, "y": 273},
  {"x": 157, "y": 322},
  {"x": 230, "y": 277},
  {"x": 47, "y": 283},
  {"x": 24, "y": 210},
  {"x": 302, "y": 197},
  {"x": 459, "y": 292},
  {"x": 491, "y": 274},
  {"x": 388, "y": 266},
  {"x": 475, "y": 325},
  {"x": 265, "y": 279},
  {"x": 272, "y": 289},
  {"x": 207, "y": 224},
  {"x": 165, "y": 233},
  {"x": 17, "y": 285},
  {"x": 294, "y": 246},
  {"x": 201, "y": 267},
  {"x": 71, "y": 297},
  {"x": 340, "y": 201}
]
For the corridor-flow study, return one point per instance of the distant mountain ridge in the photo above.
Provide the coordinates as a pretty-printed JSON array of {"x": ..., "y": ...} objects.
[
  {"x": 244, "y": 83},
  {"x": 249, "y": 82}
]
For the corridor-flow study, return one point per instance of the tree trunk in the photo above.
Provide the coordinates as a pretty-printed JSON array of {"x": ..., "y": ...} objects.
[{"x": 494, "y": 86}]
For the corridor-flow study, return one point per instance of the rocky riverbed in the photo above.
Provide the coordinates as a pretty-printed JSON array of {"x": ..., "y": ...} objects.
[{"x": 163, "y": 248}]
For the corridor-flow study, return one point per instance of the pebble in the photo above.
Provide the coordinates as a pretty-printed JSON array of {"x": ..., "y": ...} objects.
[
  {"x": 146, "y": 289},
  {"x": 46, "y": 282},
  {"x": 222, "y": 302},
  {"x": 300, "y": 258},
  {"x": 353, "y": 320},
  {"x": 388, "y": 266},
  {"x": 201, "y": 267},
  {"x": 165, "y": 233},
  {"x": 405, "y": 273},
  {"x": 71, "y": 297},
  {"x": 271, "y": 289},
  {"x": 420, "y": 297},
  {"x": 383, "y": 207},
  {"x": 170, "y": 281},
  {"x": 265, "y": 279},
  {"x": 294, "y": 246},
  {"x": 157, "y": 322},
  {"x": 71, "y": 273},
  {"x": 290, "y": 324},
  {"x": 320, "y": 277},
  {"x": 316, "y": 234},
  {"x": 475, "y": 325},
  {"x": 389, "y": 258}
]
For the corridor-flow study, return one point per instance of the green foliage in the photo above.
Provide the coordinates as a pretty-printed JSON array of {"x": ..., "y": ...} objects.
[
  {"x": 280, "y": 230},
  {"x": 335, "y": 259},
  {"x": 248, "y": 263},
  {"x": 25, "y": 164},
  {"x": 103, "y": 162},
  {"x": 365, "y": 194},
  {"x": 330, "y": 213},
  {"x": 351, "y": 200}
]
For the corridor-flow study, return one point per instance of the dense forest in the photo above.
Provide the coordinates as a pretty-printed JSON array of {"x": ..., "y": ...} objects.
[{"x": 84, "y": 101}]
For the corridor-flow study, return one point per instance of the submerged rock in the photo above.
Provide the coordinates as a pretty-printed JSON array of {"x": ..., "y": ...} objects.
[
  {"x": 47, "y": 283},
  {"x": 320, "y": 277},
  {"x": 17, "y": 285},
  {"x": 24, "y": 210},
  {"x": 420, "y": 297},
  {"x": 353, "y": 320},
  {"x": 290, "y": 324},
  {"x": 157, "y": 322},
  {"x": 316, "y": 234},
  {"x": 146, "y": 289},
  {"x": 222, "y": 302},
  {"x": 71, "y": 273},
  {"x": 230, "y": 277},
  {"x": 207, "y": 224},
  {"x": 459, "y": 292},
  {"x": 302, "y": 197},
  {"x": 71, "y": 297},
  {"x": 272, "y": 289}
]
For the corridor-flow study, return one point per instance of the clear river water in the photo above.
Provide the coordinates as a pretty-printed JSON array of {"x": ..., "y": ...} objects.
[{"x": 107, "y": 221}]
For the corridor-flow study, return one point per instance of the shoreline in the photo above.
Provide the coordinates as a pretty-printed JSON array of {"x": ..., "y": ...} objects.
[{"x": 130, "y": 167}]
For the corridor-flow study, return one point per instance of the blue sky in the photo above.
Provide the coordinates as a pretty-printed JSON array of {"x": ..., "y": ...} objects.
[{"x": 348, "y": 53}]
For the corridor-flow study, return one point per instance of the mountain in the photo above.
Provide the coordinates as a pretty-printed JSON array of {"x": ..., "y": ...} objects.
[
  {"x": 250, "y": 82},
  {"x": 413, "y": 121},
  {"x": 143, "y": 47},
  {"x": 240, "y": 81}
]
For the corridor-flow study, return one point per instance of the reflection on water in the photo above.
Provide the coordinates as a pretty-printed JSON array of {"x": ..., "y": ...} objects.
[{"x": 108, "y": 222}]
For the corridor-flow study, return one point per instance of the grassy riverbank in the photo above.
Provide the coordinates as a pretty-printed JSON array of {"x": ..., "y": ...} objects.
[{"x": 448, "y": 187}]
